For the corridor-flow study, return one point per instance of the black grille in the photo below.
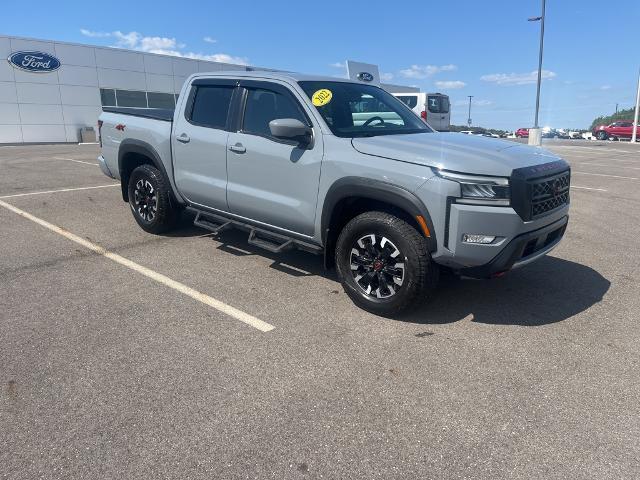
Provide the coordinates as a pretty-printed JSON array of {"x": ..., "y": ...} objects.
[{"x": 549, "y": 193}]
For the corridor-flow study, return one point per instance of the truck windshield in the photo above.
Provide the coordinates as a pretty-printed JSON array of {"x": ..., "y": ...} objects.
[{"x": 357, "y": 110}]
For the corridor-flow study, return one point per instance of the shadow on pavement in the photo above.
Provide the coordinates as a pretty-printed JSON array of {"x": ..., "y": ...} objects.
[{"x": 547, "y": 291}]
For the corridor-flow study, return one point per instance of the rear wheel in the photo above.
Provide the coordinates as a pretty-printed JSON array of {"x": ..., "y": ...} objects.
[
  {"x": 150, "y": 200},
  {"x": 384, "y": 264}
]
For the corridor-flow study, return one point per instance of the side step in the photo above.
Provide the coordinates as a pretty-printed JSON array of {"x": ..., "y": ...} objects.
[
  {"x": 211, "y": 222},
  {"x": 271, "y": 242},
  {"x": 258, "y": 237}
]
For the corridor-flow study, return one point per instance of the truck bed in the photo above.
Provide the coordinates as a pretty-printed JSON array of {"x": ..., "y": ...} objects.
[{"x": 155, "y": 113}]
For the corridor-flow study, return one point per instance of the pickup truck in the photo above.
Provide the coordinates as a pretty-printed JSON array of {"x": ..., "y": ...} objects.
[{"x": 341, "y": 169}]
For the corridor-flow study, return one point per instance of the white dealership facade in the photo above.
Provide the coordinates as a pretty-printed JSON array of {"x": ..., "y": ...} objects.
[{"x": 53, "y": 106}]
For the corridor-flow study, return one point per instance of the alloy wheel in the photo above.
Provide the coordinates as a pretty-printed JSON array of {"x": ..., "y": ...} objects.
[
  {"x": 377, "y": 266},
  {"x": 145, "y": 200}
]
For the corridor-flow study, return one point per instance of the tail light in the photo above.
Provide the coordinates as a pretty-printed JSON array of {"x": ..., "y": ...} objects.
[
  {"x": 100, "y": 132},
  {"x": 423, "y": 114}
]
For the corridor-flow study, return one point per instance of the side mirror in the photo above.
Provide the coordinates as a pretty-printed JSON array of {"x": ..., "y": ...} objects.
[{"x": 290, "y": 128}]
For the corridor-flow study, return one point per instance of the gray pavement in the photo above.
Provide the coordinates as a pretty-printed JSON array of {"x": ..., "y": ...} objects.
[{"x": 106, "y": 373}]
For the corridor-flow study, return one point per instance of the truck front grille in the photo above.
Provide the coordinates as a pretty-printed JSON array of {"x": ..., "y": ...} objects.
[
  {"x": 549, "y": 193},
  {"x": 540, "y": 190}
]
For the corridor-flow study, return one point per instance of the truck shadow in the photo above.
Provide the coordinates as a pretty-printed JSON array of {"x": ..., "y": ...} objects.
[{"x": 547, "y": 291}]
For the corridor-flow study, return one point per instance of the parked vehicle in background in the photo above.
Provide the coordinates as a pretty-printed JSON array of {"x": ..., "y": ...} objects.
[
  {"x": 574, "y": 135},
  {"x": 308, "y": 162},
  {"x": 548, "y": 132},
  {"x": 616, "y": 130},
  {"x": 434, "y": 108},
  {"x": 522, "y": 133}
]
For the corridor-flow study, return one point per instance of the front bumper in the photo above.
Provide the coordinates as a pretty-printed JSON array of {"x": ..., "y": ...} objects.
[
  {"x": 522, "y": 250},
  {"x": 104, "y": 168}
]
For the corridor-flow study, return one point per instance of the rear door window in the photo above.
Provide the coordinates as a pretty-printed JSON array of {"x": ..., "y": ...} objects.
[
  {"x": 438, "y": 104},
  {"x": 211, "y": 106}
]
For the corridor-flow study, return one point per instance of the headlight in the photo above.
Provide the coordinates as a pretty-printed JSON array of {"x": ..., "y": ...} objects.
[{"x": 476, "y": 189}]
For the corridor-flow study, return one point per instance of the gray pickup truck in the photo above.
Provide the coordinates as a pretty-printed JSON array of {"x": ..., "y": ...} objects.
[{"x": 342, "y": 169}]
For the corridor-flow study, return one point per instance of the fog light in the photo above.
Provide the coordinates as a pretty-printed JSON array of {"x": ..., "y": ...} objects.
[{"x": 482, "y": 239}]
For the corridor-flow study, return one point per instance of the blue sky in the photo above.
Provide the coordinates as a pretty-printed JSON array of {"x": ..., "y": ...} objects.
[{"x": 466, "y": 47}]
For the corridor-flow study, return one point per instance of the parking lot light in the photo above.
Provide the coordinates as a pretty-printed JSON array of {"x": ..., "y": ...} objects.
[
  {"x": 535, "y": 137},
  {"x": 634, "y": 133}
]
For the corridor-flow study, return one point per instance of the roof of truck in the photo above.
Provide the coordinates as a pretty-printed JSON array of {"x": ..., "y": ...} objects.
[{"x": 291, "y": 76}]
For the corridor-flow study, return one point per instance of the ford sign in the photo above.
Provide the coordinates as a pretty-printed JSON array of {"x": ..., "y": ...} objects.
[
  {"x": 38, "y": 62},
  {"x": 365, "y": 76}
]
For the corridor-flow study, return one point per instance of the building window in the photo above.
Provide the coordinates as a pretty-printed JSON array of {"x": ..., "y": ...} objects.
[
  {"x": 108, "y": 97},
  {"x": 161, "y": 100},
  {"x": 131, "y": 98}
]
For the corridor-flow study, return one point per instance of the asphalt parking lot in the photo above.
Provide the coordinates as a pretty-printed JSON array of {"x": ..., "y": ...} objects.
[{"x": 111, "y": 369}]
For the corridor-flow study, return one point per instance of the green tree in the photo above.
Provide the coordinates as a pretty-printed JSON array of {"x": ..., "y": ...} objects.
[{"x": 607, "y": 119}]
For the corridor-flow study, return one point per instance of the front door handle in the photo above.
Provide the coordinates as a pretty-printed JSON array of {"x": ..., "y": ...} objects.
[
  {"x": 237, "y": 148},
  {"x": 183, "y": 138}
]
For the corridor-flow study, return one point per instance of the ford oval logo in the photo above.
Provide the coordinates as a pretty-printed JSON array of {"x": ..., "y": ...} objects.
[
  {"x": 38, "y": 62},
  {"x": 365, "y": 76}
]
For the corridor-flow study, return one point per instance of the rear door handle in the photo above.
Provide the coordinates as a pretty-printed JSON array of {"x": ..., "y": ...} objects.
[
  {"x": 237, "y": 148},
  {"x": 183, "y": 138}
]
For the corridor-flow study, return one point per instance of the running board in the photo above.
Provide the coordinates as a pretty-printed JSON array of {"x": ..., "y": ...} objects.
[
  {"x": 271, "y": 242},
  {"x": 258, "y": 237},
  {"x": 211, "y": 222}
]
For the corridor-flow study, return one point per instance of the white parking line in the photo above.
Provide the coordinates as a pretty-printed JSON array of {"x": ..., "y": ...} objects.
[
  {"x": 74, "y": 160},
  {"x": 589, "y": 188},
  {"x": 60, "y": 190},
  {"x": 158, "y": 277},
  {"x": 605, "y": 175},
  {"x": 605, "y": 165}
]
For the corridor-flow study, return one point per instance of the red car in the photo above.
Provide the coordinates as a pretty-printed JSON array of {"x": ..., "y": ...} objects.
[
  {"x": 617, "y": 130},
  {"x": 522, "y": 133}
]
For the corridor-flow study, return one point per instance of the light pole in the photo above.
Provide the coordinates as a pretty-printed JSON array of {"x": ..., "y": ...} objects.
[
  {"x": 469, "y": 117},
  {"x": 535, "y": 138},
  {"x": 634, "y": 135}
]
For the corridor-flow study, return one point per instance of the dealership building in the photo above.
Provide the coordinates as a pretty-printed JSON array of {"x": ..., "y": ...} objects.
[{"x": 50, "y": 90}]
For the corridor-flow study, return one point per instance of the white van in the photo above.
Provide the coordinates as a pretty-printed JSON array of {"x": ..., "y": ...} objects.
[{"x": 434, "y": 108}]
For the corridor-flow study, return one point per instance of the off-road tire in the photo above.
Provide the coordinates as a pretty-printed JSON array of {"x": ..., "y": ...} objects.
[
  {"x": 420, "y": 272},
  {"x": 164, "y": 216}
]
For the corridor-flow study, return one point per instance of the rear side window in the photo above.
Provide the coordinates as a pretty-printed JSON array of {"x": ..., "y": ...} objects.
[
  {"x": 266, "y": 105},
  {"x": 410, "y": 100},
  {"x": 211, "y": 106}
]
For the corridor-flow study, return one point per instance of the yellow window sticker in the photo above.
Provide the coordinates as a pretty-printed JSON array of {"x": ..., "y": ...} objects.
[{"x": 321, "y": 97}]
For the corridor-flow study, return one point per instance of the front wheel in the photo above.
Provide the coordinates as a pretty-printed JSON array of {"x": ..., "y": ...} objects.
[
  {"x": 602, "y": 135},
  {"x": 150, "y": 201},
  {"x": 384, "y": 264}
]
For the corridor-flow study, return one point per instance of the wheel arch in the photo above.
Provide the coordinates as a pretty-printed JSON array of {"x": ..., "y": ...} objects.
[
  {"x": 351, "y": 196},
  {"x": 133, "y": 153}
]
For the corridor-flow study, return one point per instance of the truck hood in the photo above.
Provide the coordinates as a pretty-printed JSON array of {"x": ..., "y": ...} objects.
[{"x": 455, "y": 151}]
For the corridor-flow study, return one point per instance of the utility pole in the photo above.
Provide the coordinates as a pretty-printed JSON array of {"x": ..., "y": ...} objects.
[
  {"x": 634, "y": 135},
  {"x": 536, "y": 137},
  {"x": 616, "y": 108},
  {"x": 469, "y": 117}
]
